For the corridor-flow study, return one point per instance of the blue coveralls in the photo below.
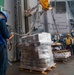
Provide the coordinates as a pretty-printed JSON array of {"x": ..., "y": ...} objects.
[{"x": 4, "y": 34}]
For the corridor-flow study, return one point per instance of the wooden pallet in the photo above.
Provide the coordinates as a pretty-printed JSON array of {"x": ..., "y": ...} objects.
[
  {"x": 36, "y": 71},
  {"x": 64, "y": 60},
  {"x": 61, "y": 51}
]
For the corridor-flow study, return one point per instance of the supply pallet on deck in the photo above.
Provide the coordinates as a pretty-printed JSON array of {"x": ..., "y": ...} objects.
[
  {"x": 62, "y": 55},
  {"x": 36, "y": 53}
]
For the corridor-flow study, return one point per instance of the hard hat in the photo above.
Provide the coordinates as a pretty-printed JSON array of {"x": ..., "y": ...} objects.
[
  {"x": 68, "y": 34},
  {"x": 5, "y": 15}
]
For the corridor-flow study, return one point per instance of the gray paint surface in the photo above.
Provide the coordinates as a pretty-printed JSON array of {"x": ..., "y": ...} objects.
[{"x": 9, "y": 7}]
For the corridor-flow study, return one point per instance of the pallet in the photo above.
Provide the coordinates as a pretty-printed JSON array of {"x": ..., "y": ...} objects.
[
  {"x": 61, "y": 51},
  {"x": 37, "y": 71},
  {"x": 64, "y": 60}
]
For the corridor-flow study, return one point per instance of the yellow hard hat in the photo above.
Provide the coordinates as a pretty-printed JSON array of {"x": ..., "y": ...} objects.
[{"x": 68, "y": 34}]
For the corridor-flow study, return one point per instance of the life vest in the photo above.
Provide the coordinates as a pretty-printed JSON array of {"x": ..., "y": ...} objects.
[{"x": 68, "y": 41}]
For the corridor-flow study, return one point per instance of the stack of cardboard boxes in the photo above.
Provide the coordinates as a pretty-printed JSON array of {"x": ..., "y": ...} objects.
[{"x": 36, "y": 52}]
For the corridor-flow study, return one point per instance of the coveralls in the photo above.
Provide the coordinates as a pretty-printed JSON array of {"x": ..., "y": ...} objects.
[
  {"x": 61, "y": 40},
  {"x": 4, "y": 34},
  {"x": 68, "y": 42}
]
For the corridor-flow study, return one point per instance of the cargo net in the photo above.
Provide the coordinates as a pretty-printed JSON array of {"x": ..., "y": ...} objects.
[{"x": 36, "y": 52}]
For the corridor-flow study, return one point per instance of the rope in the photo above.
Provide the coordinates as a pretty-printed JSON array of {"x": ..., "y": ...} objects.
[
  {"x": 54, "y": 21},
  {"x": 28, "y": 12},
  {"x": 30, "y": 32},
  {"x": 30, "y": 29}
]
